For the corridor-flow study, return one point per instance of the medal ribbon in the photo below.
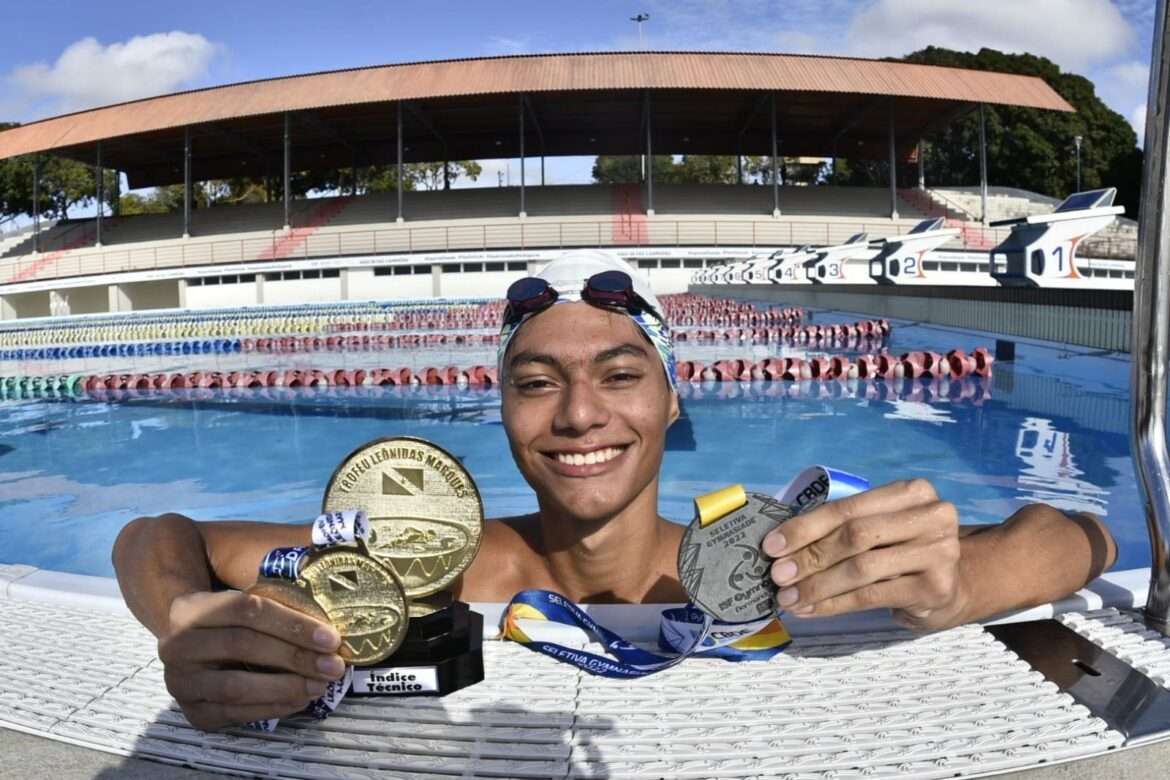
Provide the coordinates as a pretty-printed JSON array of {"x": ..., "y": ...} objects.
[
  {"x": 684, "y": 631},
  {"x": 330, "y": 529}
]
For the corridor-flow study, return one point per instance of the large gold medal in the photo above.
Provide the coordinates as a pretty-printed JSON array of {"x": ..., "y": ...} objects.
[
  {"x": 426, "y": 517},
  {"x": 363, "y": 599}
]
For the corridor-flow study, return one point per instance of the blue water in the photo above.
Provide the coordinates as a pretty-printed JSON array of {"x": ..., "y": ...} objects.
[{"x": 1053, "y": 429}]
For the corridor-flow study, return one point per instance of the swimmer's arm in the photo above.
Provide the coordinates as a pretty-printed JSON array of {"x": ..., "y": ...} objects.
[
  {"x": 1039, "y": 554},
  {"x": 159, "y": 559}
]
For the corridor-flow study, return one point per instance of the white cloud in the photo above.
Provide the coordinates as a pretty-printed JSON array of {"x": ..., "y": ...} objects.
[
  {"x": 1124, "y": 87},
  {"x": 89, "y": 73},
  {"x": 1138, "y": 120},
  {"x": 1072, "y": 33}
]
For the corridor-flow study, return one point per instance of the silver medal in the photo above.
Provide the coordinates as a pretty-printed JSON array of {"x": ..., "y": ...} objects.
[{"x": 721, "y": 565}]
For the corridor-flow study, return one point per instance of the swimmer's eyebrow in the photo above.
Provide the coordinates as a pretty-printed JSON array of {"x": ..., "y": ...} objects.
[
  {"x": 529, "y": 356},
  {"x": 619, "y": 351},
  {"x": 603, "y": 356}
]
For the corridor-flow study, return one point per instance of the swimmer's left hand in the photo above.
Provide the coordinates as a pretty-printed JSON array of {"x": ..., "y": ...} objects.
[{"x": 896, "y": 546}]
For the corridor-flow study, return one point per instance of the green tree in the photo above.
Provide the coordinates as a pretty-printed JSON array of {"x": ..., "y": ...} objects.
[
  {"x": 705, "y": 169},
  {"x": 64, "y": 184},
  {"x": 627, "y": 168},
  {"x": 429, "y": 175},
  {"x": 1031, "y": 148}
]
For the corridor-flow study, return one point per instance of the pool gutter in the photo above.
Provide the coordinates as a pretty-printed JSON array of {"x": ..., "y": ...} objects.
[{"x": 1116, "y": 589}]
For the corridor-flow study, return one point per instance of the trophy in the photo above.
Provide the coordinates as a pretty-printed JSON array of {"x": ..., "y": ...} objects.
[
  {"x": 384, "y": 586},
  {"x": 426, "y": 523}
]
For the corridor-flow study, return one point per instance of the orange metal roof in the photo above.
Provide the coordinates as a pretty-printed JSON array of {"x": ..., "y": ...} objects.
[{"x": 532, "y": 74}]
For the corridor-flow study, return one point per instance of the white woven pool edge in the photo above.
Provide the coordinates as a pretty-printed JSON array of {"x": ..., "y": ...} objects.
[
  {"x": 75, "y": 668},
  {"x": 1119, "y": 589}
]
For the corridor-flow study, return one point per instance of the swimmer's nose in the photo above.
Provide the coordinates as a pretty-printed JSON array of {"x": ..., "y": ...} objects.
[{"x": 582, "y": 408}]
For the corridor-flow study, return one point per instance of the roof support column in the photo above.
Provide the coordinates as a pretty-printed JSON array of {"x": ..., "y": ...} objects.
[
  {"x": 542, "y": 169},
  {"x": 775, "y": 162},
  {"x": 446, "y": 173},
  {"x": 36, "y": 205},
  {"x": 738, "y": 167},
  {"x": 893, "y": 166},
  {"x": 921, "y": 164},
  {"x": 649, "y": 160},
  {"x": 523, "y": 205},
  {"x": 99, "y": 194},
  {"x": 287, "y": 171},
  {"x": 399, "y": 177},
  {"x": 186, "y": 182},
  {"x": 983, "y": 163}
]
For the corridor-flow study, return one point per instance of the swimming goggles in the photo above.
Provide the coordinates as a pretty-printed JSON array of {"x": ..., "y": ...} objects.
[{"x": 607, "y": 289}]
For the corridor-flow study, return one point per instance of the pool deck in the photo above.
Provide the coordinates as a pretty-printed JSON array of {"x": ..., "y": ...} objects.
[
  {"x": 868, "y": 703},
  {"x": 35, "y": 757}
]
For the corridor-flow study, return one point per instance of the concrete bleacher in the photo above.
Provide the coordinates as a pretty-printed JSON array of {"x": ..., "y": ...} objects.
[
  {"x": 568, "y": 201},
  {"x": 481, "y": 219},
  {"x": 1002, "y": 202},
  {"x": 1116, "y": 240}
]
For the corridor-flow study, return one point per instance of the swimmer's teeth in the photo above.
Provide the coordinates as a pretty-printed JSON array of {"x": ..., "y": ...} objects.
[{"x": 588, "y": 458}]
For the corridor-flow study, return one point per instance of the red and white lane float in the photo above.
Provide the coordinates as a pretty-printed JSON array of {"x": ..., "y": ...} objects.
[
  {"x": 968, "y": 389},
  {"x": 920, "y": 366},
  {"x": 882, "y": 365},
  {"x": 841, "y": 333}
]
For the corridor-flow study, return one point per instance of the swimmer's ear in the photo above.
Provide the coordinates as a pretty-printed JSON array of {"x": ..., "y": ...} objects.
[{"x": 674, "y": 410}]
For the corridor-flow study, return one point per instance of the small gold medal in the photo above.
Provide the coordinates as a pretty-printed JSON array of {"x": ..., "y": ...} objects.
[
  {"x": 293, "y": 596},
  {"x": 426, "y": 516},
  {"x": 362, "y": 599}
]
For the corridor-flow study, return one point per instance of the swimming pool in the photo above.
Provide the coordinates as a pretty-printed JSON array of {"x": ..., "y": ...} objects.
[{"x": 1052, "y": 426}]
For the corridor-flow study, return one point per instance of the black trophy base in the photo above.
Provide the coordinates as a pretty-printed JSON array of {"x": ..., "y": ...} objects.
[{"x": 442, "y": 653}]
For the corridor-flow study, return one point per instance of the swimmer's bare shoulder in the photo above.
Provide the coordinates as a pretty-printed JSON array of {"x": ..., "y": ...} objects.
[{"x": 509, "y": 560}]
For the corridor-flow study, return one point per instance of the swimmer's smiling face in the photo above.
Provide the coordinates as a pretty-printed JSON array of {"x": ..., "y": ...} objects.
[{"x": 586, "y": 406}]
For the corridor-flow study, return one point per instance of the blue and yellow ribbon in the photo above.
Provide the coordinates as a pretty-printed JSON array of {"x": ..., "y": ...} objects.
[{"x": 683, "y": 631}]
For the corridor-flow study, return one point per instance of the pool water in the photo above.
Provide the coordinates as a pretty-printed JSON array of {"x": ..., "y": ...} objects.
[{"x": 1054, "y": 429}]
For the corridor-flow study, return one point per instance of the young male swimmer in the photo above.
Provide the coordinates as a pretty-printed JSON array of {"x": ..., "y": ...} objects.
[{"x": 587, "y": 395}]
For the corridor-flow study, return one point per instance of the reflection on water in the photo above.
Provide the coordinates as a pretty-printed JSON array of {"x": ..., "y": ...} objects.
[
  {"x": 918, "y": 412},
  {"x": 77, "y": 472},
  {"x": 1050, "y": 474}
]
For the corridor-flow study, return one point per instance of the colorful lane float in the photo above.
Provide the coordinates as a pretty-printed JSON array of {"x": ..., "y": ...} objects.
[
  {"x": 971, "y": 390},
  {"x": 925, "y": 366},
  {"x": 15, "y": 388},
  {"x": 461, "y": 318}
]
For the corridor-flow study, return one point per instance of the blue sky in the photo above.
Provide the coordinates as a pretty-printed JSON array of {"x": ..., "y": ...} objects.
[{"x": 71, "y": 55}]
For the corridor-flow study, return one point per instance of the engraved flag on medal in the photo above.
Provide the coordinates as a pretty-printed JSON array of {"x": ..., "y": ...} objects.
[
  {"x": 402, "y": 482},
  {"x": 425, "y": 514}
]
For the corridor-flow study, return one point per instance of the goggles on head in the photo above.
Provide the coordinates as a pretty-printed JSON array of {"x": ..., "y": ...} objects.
[{"x": 607, "y": 289}]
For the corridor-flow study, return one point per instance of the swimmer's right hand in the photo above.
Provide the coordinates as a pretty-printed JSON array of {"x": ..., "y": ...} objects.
[{"x": 214, "y": 636}]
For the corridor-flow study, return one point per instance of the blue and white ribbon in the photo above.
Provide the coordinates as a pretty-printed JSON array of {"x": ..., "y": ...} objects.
[
  {"x": 817, "y": 485},
  {"x": 330, "y": 529},
  {"x": 683, "y": 631}
]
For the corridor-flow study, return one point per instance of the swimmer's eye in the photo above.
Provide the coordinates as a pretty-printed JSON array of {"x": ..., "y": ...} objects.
[
  {"x": 621, "y": 378},
  {"x": 532, "y": 385}
]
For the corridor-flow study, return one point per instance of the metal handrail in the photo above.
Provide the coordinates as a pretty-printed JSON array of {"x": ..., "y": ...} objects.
[{"x": 1150, "y": 348}]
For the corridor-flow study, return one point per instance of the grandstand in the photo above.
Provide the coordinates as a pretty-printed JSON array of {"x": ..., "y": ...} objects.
[
  {"x": 474, "y": 241},
  {"x": 964, "y": 204}
]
